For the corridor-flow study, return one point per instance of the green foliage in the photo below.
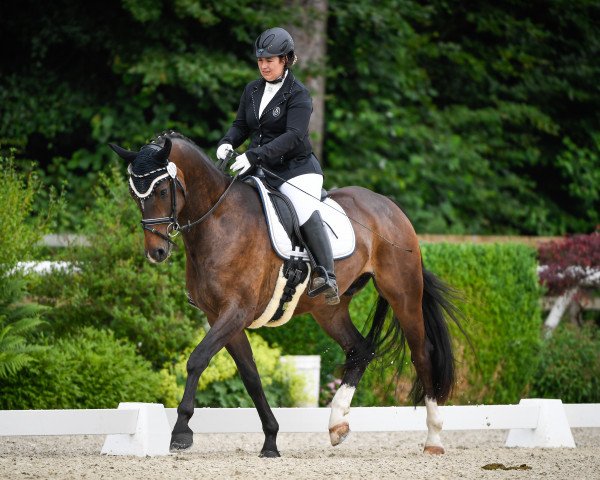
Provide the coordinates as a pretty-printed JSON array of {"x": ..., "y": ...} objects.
[
  {"x": 112, "y": 285},
  {"x": 82, "y": 74},
  {"x": 477, "y": 119},
  {"x": 15, "y": 352},
  {"x": 501, "y": 292},
  {"x": 219, "y": 385},
  {"x": 91, "y": 369},
  {"x": 570, "y": 366},
  {"x": 20, "y": 232},
  {"x": 19, "y": 320}
]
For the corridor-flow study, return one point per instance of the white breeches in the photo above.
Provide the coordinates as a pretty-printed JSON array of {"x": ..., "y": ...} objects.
[{"x": 305, "y": 205}]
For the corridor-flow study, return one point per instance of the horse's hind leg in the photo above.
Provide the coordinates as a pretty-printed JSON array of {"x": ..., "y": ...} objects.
[
  {"x": 240, "y": 350},
  {"x": 406, "y": 302},
  {"x": 336, "y": 322}
]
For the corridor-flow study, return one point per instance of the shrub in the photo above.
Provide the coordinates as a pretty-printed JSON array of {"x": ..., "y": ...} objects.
[
  {"x": 21, "y": 230},
  {"x": 570, "y": 366},
  {"x": 115, "y": 287},
  {"x": 19, "y": 320},
  {"x": 91, "y": 369},
  {"x": 500, "y": 285},
  {"x": 220, "y": 386}
]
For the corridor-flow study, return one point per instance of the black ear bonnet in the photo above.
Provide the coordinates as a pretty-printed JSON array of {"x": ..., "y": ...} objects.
[{"x": 150, "y": 166}]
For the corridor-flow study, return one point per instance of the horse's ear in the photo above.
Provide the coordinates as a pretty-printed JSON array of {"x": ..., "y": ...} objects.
[
  {"x": 124, "y": 154},
  {"x": 163, "y": 155}
]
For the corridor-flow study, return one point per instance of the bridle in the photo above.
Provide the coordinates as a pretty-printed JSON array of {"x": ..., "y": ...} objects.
[
  {"x": 170, "y": 173},
  {"x": 173, "y": 226}
]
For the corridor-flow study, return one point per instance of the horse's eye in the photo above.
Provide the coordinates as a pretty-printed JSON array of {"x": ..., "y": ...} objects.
[{"x": 163, "y": 193}]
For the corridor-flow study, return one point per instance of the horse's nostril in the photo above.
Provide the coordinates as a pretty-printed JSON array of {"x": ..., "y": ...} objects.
[{"x": 161, "y": 253}]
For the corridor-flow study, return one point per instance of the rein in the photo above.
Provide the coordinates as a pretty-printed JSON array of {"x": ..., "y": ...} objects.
[{"x": 189, "y": 225}]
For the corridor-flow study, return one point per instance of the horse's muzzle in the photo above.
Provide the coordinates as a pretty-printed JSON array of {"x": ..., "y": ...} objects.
[{"x": 158, "y": 255}]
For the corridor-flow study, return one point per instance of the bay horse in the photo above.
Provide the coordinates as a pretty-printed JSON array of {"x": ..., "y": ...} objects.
[{"x": 231, "y": 271}]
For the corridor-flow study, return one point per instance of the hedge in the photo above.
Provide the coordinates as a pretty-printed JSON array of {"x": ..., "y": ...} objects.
[{"x": 502, "y": 318}]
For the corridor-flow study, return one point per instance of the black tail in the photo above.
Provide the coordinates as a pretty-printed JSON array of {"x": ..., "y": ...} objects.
[
  {"x": 389, "y": 341},
  {"x": 437, "y": 303},
  {"x": 382, "y": 340}
]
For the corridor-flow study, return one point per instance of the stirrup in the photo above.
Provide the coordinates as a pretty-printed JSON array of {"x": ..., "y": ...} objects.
[
  {"x": 319, "y": 274},
  {"x": 326, "y": 286}
]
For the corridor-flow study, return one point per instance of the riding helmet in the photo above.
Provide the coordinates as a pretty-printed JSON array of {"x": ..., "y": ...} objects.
[{"x": 273, "y": 42}]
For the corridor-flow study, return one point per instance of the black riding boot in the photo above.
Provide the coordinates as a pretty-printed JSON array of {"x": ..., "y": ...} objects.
[{"x": 316, "y": 239}]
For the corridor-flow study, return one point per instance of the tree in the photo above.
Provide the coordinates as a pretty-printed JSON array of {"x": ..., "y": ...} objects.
[
  {"x": 476, "y": 117},
  {"x": 310, "y": 34}
]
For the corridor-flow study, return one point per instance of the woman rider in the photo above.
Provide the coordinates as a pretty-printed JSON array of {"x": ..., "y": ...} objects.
[{"x": 274, "y": 111}]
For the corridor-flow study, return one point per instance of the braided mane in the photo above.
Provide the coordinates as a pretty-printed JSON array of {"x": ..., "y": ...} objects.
[{"x": 172, "y": 134}]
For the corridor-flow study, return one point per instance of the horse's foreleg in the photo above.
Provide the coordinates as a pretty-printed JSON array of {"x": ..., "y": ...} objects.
[
  {"x": 229, "y": 324},
  {"x": 240, "y": 350},
  {"x": 337, "y": 324}
]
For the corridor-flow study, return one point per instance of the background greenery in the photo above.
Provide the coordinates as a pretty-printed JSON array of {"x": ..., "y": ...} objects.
[
  {"x": 570, "y": 366},
  {"x": 477, "y": 117}
]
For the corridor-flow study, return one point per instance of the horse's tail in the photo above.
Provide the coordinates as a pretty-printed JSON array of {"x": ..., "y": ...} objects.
[
  {"x": 437, "y": 304},
  {"x": 386, "y": 339}
]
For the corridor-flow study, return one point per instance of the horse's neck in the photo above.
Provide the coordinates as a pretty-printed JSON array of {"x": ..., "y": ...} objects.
[{"x": 204, "y": 185}]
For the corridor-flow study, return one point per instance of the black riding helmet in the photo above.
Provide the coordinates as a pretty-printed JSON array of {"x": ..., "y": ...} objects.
[{"x": 273, "y": 42}]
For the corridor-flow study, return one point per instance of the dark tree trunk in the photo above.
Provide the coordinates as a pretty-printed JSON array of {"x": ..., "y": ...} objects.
[{"x": 310, "y": 38}]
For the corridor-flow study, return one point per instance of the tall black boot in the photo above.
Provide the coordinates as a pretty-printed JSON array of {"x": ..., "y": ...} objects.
[{"x": 317, "y": 241}]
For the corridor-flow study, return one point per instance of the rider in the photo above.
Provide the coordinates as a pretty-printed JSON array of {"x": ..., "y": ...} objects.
[{"x": 274, "y": 112}]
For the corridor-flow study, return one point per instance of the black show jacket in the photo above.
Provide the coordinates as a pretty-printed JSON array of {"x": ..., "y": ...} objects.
[{"x": 279, "y": 138}]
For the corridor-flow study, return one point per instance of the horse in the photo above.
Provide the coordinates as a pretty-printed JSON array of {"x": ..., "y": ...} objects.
[{"x": 231, "y": 270}]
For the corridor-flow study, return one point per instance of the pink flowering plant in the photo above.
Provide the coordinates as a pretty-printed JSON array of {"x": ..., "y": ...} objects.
[{"x": 328, "y": 391}]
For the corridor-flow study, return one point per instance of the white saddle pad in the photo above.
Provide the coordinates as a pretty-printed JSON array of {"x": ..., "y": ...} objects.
[{"x": 337, "y": 225}]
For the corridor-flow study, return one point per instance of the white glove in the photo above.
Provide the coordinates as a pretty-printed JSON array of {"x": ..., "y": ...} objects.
[
  {"x": 241, "y": 163},
  {"x": 223, "y": 151}
]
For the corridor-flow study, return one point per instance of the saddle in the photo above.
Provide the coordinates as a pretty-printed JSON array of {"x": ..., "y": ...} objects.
[
  {"x": 286, "y": 240},
  {"x": 284, "y": 231}
]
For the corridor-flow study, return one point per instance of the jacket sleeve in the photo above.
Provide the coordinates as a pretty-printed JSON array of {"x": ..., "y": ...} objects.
[
  {"x": 238, "y": 132},
  {"x": 299, "y": 110}
]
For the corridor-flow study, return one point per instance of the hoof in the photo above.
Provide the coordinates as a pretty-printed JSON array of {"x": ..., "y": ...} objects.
[
  {"x": 181, "y": 441},
  {"x": 339, "y": 433},
  {"x": 433, "y": 450},
  {"x": 269, "y": 454}
]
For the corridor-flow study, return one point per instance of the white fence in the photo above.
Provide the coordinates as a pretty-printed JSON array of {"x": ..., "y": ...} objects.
[{"x": 144, "y": 429}]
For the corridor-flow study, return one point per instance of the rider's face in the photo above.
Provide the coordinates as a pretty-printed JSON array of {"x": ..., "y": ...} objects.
[{"x": 271, "y": 68}]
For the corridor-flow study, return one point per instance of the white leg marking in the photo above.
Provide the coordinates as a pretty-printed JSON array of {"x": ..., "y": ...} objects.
[
  {"x": 434, "y": 424},
  {"x": 339, "y": 426}
]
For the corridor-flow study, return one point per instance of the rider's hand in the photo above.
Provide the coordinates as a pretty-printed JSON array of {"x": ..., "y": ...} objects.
[
  {"x": 241, "y": 163},
  {"x": 223, "y": 151}
]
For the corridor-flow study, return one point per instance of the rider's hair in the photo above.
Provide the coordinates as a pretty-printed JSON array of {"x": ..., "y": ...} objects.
[{"x": 290, "y": 59}]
